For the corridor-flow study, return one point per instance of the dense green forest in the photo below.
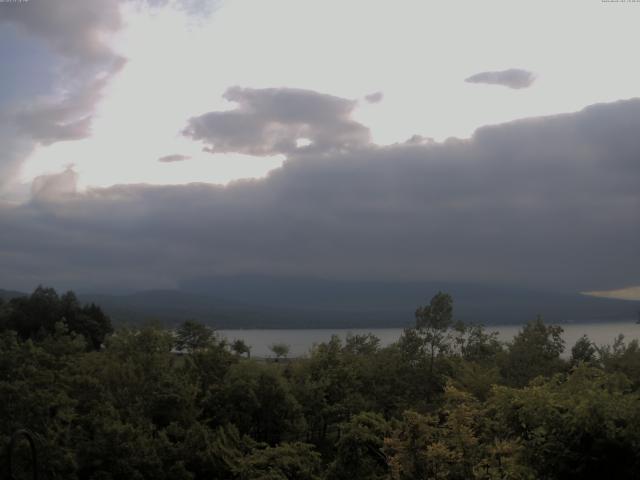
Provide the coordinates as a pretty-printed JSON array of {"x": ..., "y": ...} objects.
[{"x": 447, "y": 401}]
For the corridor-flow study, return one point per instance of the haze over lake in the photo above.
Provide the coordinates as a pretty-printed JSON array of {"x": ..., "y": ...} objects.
[{"x": 302, "y": 340}]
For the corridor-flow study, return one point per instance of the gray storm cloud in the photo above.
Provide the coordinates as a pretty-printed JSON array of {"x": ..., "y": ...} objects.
[
  {"x": 173, "y": 158},
  {"x": 75, "y": 29},
  {"x": 375, "y": 97},
  {"x": 67, "y": 119},
  {"x": 271, "y": 121},
  {"x": 547, "y": 202},
  {"x": 513, "y": 78},
  {"x": 55, "y": 186}
]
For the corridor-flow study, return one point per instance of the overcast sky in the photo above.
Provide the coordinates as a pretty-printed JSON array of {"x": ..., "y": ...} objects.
[{"x": 147, "y": 141}]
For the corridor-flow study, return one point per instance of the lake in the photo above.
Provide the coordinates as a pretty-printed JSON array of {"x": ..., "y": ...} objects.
[{"x": 301, "y": 340}]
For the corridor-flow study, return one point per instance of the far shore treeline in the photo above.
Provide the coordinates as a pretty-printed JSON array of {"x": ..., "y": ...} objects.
[{"x": 446, "y": 401}]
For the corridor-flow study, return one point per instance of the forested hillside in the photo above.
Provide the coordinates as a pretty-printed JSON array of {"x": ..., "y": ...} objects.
[{"x": 447, "y": 401}]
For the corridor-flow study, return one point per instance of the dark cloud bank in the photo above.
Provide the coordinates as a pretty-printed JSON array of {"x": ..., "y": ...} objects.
[{"x": 547, "y": 202}]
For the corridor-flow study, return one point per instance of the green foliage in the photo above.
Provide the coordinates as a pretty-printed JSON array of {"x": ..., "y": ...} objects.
[
  {"x": 359, "y": 449},
  {"x": 280, "y": 350},
  {"x": 211, "y": 453},
  {"x": 367, "y": 344},
  {"x": 475, "y": 378},
  {"x": 503, "y": 459},
  {"x": 535, "y": 351},
  {"x": 445, "y": 445},
  {"x": 256, "y": 399},
  {"x": 438, "y": 315},
  {"x": 622, "y": 357},
  {"x": 584, "y": 351},
  {"x": 193, "y": 337},
  {"x": 241, "y": 348},
  {"x": 474, "y": 344},
  {"x": 584, "y": 426},
  {"x": 288, "y": 461},
  {"x": 36, "y": 316},
  {"x": 447, "y": 401},
  {"x": 328, "y": 386},
  {"x": 433, "y": 322}
]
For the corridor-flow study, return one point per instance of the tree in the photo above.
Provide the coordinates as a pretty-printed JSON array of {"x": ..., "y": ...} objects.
[
  {"x": 535, "y": 351},
  {"x": 240, "y": 347},
  {"x": 584, "y": 351},
  {"x": 192, "y": 336},
  {"x": 502, "y": 460},
  {"x": 257, "y": 399},
  {"x": 359, "y": 449},
  {"x": 577, "y": 426},
  {"x": 417, "y": 449},
  {"x": 287, "y": 461},
  {"x": 89, "y": 320},
  {"x": 280, "y": 350},
  {"x": 432, "y": 322},
  {"x": 622, "y": 357},
  {"x": 326, "y": 385},
  {"x": 214, "y": 454},
  {"x": 36, "y": 315},
  {"x": 475, "y": 344},
  {"x": 366, "y": 344}
]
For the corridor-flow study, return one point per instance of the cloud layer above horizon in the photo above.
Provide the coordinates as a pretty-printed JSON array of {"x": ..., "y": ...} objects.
[{"x": 548, "y": 202}]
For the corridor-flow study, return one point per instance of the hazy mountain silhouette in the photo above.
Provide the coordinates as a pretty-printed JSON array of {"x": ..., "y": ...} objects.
[
  {"x": 9, "y": 294},
  {"x": 393, "y": 303},
  {"x": 288, "y": 302}
]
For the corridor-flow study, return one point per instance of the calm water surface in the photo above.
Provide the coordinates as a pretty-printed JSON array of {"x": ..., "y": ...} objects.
[{"x": 301, "y": 341}]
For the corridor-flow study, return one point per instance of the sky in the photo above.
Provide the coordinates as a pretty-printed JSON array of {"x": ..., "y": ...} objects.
[{"x": 150, "y": 141}]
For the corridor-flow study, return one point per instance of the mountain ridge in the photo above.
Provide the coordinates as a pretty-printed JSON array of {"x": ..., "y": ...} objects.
[{"x": 291, "y": 302}]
